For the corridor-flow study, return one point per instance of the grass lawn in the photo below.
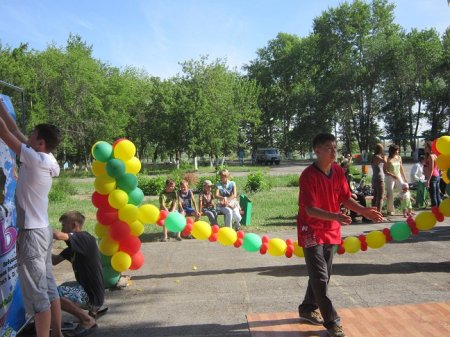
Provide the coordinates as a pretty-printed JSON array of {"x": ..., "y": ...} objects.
[{"x": 272, "y": 210}]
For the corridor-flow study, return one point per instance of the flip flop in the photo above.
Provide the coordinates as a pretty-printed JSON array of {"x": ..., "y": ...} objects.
[
  {"x": 81, "y": 331},
  {"x": 99, "y": 313}
]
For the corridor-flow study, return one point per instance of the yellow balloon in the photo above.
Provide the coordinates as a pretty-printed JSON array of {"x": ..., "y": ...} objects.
[
  {"x": 133, "y": 165},
  {"x": 227, "y": 236},
  {"x": 118, "y": 199},
  {"x": 121, "y": 261},
  {"x": 425, "y": 221},
  {"x": 444, "y": 207},
  {"x": 108, "y": 246},
  {"x": 148, "y": 214},
  {"x": 136, "y": 228},
  {"x": 124, "y": 150},
  {"x": 102, "y": 231},
  {"x": 98, "y": 168},
  {"x": 445, "y": 177},
  {"x": 128, "y": 213},
  {"x": 298, "y": 250},
  {"x": 201, "y": 230},
  {"x": 277, "y": 247},
  {"x": 443, "y": 145},
  {"x": 375, "y": 239},
  {"x": 443, "y": 162},
  {"x": 352, "y": 244},
  {"x": 104, "y": 184}
]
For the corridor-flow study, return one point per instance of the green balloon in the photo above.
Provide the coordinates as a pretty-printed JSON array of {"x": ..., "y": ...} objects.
[
  {"x": 115, "y": 168},
  {"x": 175, "y": 222},
  {"x": 110, "y": 277},
  {"x": 252, "y": 242},
  {"x": 102, "y": 151},
  {"x": 128, "y": 182},
  {"x": 400, "y": 231},
  {"x": 136, "y": 196},
  {"x": 106, "y": 260}
]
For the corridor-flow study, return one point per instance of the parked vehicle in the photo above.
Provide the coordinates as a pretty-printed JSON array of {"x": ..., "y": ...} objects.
[{"x": 267, "y": 156}]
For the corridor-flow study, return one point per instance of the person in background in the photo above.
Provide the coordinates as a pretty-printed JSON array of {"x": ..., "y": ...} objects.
[
  {"x": 187, "y": 207},
  {"x": 34, "y": 241},
  {"x": 89, "y": 292},
  {"x": 206, "y": 203},
  {"x": 378, "y": 167},
  {"x": 322, "y": 189},
  {"x": 406, "y": 205},
  {"x": 394, "y": 176},
  {"x": 228, "y": 205},
  {"x": 432, "y": 175},
  {"x": 417, "y": 174},
  {"x": 168, "y": 201}
]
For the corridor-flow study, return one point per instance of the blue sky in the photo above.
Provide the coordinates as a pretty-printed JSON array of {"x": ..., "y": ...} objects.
[{"x": 158, "y": 34}]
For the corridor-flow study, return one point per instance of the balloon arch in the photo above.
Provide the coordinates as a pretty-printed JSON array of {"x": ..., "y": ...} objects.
[{"x": 121, "y": 217}]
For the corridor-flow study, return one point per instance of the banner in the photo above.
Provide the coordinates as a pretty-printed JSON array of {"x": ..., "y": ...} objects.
[{"x": 12, "y": 313}]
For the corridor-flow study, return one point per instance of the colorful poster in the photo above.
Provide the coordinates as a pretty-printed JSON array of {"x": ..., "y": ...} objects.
[{"x": 12, "y": 313}]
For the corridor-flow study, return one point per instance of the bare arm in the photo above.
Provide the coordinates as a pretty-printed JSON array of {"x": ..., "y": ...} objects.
[
  {"x": 9, "y": 138},
  {"x": 402, "y": 172},
  {"x": 10, "y": 124},
  {"x": 319, "y": 213},
  {"x": 57, "y": 235},
  {"x": 367, "y": 212}
]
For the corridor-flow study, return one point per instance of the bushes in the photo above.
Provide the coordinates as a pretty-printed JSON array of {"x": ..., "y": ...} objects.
[
  {"x": 256, "y": 182},
  {"x": 150, "y": 185},
  {"x": 62, "y": 188}
]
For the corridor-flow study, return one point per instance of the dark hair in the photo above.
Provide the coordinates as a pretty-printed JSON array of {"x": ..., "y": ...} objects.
[
  {"x": 421, "y": 157},
  {"x": 379, "y": 149},
  {"x": 72, "y": 217},
  {"x": 50, "y": 134},
  {"x": 170, "y": 181},
  {"x": 392, "y": 149},
  {"x": 323, "y": 138}
]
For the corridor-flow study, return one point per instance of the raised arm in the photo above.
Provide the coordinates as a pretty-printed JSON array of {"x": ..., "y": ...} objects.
[{"x": 10, "y": 124}]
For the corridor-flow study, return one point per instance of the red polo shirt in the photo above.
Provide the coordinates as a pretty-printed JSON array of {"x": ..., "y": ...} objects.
[{"x": 324, "y": 192}]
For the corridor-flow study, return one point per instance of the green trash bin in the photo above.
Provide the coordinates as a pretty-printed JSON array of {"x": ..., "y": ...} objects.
[{"x": 246, "y": 206}]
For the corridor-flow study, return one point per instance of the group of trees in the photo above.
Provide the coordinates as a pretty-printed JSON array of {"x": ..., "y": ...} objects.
[{"x": 355, "y": 69}]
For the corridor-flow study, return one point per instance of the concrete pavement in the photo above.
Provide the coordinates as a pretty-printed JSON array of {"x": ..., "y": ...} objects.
[{"x": 199, "y": 288}]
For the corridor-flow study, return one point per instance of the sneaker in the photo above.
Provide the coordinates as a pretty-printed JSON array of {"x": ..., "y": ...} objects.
[
  {"x": 178, "y": 238},
  {"x": 336, "y": 331},
  {"x": 313, "y": 317}
]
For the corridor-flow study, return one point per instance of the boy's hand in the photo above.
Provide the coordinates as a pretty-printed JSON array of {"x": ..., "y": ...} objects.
[
  {"x": 372, "y": 214},
  {"x": 343, "y": 219}
]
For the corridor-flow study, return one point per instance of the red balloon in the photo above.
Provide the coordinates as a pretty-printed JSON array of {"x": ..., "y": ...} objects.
[
  {"x": 119, "y": 230},
  {"x": 107, "y": 215},
  {"x": 341, "y": 250},
  {"x": 238, "y": 243},
  {"x": 100, "y": 200},
  {"x": 265, "y": 239},
  {"x": 215, "y": 228},
  {"x": 163, "y": 214},
  {"x": 130, "y": 245},
  {"x": 433, "y": 147},
  {"x": 117, "y": 141},
  {"x": 240, "y": 234},
  {"x": 160, "y": 222},
  {"x": 189, "y": 221},
  {"x": 213, "y": 237},
  {"x": 137, "y": 260},
  {"x": 264, "y": 247},
  {"x": 289, "y": 242}
]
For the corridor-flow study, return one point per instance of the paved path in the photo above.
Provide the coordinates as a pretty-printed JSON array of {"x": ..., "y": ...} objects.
[{"x": 199, "y": 288}]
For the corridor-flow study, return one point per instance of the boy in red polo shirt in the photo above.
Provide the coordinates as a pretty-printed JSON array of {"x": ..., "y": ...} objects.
[{"x": 323, "y": 188}]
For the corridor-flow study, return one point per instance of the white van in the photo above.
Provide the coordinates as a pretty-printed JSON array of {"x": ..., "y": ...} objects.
[{"x": 268, "y": 156}]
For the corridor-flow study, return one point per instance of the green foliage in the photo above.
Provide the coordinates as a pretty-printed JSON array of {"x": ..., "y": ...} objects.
[
  {"x": 256, "y": 182},
  {"x": 61, "y": 189},
  {"x": 151, "y": 185}
]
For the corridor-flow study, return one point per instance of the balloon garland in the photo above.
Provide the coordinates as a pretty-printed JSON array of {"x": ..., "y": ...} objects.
[{"x": 121, "y": 217}]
